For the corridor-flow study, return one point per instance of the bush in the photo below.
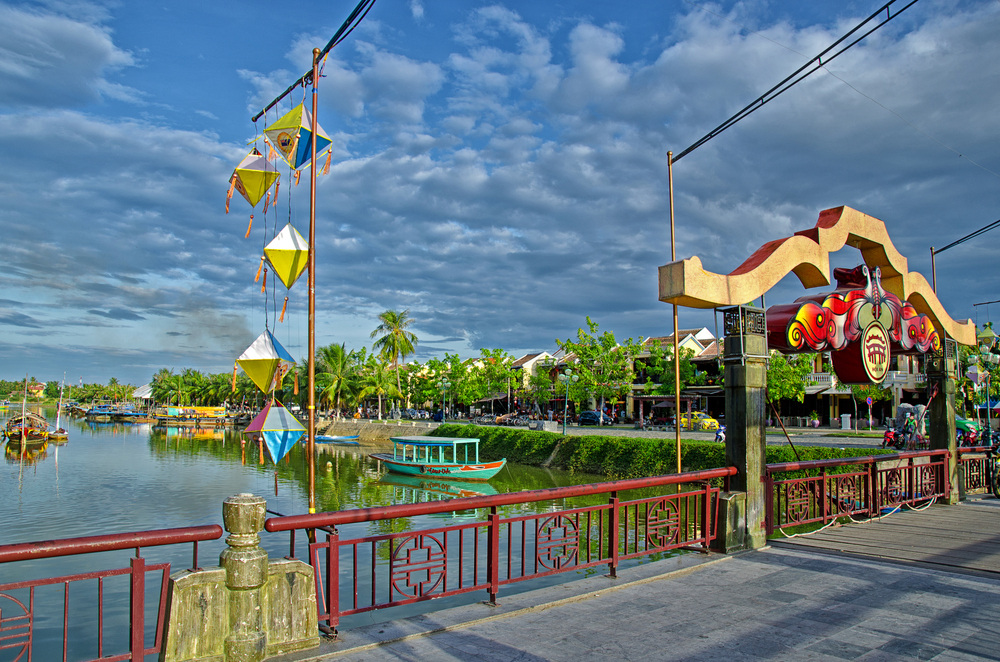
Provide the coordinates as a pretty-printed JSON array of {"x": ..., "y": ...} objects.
[{"x": 621, "y": 457}]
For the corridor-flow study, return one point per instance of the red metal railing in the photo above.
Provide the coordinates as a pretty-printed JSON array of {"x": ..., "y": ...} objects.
[
  {"x": 18, "y": 603},
  {"x": 869, "y": 485},
  {"x": 393, "y": 569},
  {"x": 976, "y": 464}
]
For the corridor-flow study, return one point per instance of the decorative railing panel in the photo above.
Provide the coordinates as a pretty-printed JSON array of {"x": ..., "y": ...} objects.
[
  {"x": 363, "y": 573},
  {"x": 975, "y": 468},
  {"x": 859, "y": 486},
  {"x": 93, "y": 604}
]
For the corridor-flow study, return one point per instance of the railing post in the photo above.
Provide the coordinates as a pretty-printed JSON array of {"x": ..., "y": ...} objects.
[
  {"x": 137, "y": 607},
  {"x": 823, "y": 492},
  {"x": 246, "y": 573},
  {"x": 613, "y": 535},
  {"x": 874, "y": 504},
  {"x": 493, "y": 553},
  {"x": 333, "y": 578}
]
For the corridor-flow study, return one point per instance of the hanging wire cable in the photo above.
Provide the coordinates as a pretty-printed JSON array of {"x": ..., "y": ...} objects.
[
  {"x": 800, "y": 74},
  {"x": 827, "y": 71},
  {"x": 971, "y": 235},
  {"x": 347, "y": 28}
]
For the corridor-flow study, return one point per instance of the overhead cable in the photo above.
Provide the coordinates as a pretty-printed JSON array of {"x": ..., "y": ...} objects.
[
  {"x": 972, "y": 235},
  {"x": 347, "y": 28},
  {"x": 809, "y": 68}
]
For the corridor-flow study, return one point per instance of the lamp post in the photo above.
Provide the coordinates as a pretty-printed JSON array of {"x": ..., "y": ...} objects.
[
  {"x": 443, "y": 385},
  {"x": 568, "y": 378},
  {"x": 987, "y": 340}
]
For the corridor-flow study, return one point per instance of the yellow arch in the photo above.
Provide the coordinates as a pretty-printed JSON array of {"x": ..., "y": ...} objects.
[{"x": 807, "y": 255}]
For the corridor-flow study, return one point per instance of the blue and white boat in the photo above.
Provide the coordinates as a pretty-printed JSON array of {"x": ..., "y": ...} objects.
[{"x": 441, "y": 457}]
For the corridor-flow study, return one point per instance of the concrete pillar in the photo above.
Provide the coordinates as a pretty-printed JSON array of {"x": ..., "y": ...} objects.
[
  {"x": 246, "y": 569},
  {"x": 941, "y": 369},
  {"x": 745, "y": 361}
]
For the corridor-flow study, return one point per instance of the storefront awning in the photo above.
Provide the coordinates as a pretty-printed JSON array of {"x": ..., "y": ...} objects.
[{"x": 815, "y": 389}]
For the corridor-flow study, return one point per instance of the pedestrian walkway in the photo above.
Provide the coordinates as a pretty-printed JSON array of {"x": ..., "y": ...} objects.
[{"x": 779, "y": 603}]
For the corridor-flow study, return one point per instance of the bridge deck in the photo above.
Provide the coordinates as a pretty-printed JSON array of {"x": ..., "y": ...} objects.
[{"x": 964, "y": 537}]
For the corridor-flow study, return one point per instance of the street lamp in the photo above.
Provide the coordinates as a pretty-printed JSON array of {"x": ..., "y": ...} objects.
[
  {"x": 987, "y": 339},
  {"x": 569, "y": 378},
  {"x": 443, "y": 385}
]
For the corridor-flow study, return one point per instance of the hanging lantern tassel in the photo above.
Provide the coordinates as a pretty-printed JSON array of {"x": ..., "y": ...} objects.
[
  {"x": 229, "y": 196},
  {"x": 282, "y": 318},
  {"x": 297, "y": 173},
  {"x": 277, "y": 185},
  {"x": 295, "y": 389},
  {"x": 326, "y": 166},
  {"x": 260, "y": 267},
  {"x": 248, "y": 227},
  {"x": 271, "y": 154},
  {"x": 235, "y": 366},
  {"x": 267, "y": 201},
  {"x": 263, "y": 286}
]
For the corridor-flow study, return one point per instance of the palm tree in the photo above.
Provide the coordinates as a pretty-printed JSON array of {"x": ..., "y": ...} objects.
[
  {"x": 394, "y": 341},
  {"x": 337, "y": 373},
  {"x": 377, "y": 381}
]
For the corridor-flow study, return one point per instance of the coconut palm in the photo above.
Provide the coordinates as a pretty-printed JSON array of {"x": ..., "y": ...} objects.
[
  {"x": 394, "y": 342},
  {"x": 378, "y": 382},
  {"x": 338, "y": 375}
]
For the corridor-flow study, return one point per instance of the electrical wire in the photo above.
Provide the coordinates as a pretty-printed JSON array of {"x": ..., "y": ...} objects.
[
  {"x": 800, "y": 74},
  {"x": 972, "y": 235},
  {"x": 356, "y": 16}
]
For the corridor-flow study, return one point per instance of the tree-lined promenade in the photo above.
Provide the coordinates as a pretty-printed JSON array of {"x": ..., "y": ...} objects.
[{"x": 378, "y": 378}]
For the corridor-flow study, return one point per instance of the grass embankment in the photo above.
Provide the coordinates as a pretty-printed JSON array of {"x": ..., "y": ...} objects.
[{"x": 617, "y": 457}]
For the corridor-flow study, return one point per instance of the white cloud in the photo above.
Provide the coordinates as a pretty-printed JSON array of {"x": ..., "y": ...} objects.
[{"x": 52, "y": 60}]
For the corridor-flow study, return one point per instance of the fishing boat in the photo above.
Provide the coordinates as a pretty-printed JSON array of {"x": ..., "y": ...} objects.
[
  {"x": 441, "y": 457},
  {"x": 349, "y": 440},
  {"x": 27, "y": 427},
  {"x": 59, "y": 433}
]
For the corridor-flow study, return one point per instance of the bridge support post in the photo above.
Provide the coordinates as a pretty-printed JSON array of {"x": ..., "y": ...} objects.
[
  {"x": 745, "y": 361},
  {"x": 941, "y": 368},
  {"x": 245, "y": 564}
]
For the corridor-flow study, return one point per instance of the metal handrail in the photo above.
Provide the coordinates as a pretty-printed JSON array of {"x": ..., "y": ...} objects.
[{"x": 291, "y": 522}]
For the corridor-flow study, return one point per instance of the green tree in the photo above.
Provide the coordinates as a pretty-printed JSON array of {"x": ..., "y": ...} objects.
[
  {"x": 786, "y": 376},
  {"x": 376, "y": 380},
  {"x": 490, "y": 375},
  {"x": 606, "y": 367},
  {"x": 336, "y": 376},
  {"x": 394, "y": 342},
  {"x": 540, "y": 388},
  {"x": 861, "y": 393}
]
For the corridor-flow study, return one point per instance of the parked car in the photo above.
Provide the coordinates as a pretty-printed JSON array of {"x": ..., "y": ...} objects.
[
  {"x": 699, "y": 420},
  {"x": 594, "y": 418}
]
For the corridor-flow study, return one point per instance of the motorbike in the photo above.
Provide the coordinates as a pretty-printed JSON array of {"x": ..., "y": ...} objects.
[
  {"x": 720, "y": 434},
  {"x": 893, "y": 437}
]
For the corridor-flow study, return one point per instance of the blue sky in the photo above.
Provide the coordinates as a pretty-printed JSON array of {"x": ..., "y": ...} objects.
[{"x": 499, "y": 168}]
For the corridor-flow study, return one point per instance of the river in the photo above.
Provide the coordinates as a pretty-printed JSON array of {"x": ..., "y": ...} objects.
[{"x": 112, "y": 478}]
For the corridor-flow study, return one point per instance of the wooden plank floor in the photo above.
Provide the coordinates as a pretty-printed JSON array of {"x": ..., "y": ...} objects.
[{"x": 962, "y": 537}]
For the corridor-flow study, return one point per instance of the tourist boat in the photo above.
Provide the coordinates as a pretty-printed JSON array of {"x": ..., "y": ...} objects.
[
  {"x": 441, "y": 457},
  {"x": 27, "y": 427},
  {"x": 349, "y": 440}
]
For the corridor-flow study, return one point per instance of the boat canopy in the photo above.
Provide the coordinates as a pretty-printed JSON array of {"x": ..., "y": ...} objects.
[{"x": 409, "y": 448}]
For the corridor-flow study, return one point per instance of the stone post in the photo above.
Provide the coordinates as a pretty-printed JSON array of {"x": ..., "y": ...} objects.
[
  {"x": 745, "y": 361},
  {"x": 246, "y": 569},
  {"x": 941, "y": 369}
]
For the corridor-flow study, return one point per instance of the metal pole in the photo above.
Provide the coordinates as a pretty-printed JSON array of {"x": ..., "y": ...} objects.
[
  {"x": 677, "y": 358},
  {"x": 565, "y": 406},
  {"x": 311, "y": 440},
  {"x": 933, "y": 272}
]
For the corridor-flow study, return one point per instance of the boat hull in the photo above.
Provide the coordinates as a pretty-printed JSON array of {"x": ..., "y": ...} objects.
[{"x": 481, "y": 471}]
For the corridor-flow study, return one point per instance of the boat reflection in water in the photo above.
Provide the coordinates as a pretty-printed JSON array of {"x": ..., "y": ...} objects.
[
  {"x": 430, "y": 489},
  {"x": 27, "y": 452}
]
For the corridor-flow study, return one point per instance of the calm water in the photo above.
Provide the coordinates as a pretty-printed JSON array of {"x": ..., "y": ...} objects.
[{"x": 109, "y": 478}]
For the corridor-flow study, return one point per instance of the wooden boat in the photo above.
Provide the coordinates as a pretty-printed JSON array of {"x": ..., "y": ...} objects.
[
  {"x": 349, "y": 440},
  {"x": 440, "y": 457},
  {"x": 59, "y": 433},
  {"x": 27, "y": 427}
]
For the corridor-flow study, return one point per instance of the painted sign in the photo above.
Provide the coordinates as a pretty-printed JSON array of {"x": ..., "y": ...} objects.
[{"x": 860, "y": 324}]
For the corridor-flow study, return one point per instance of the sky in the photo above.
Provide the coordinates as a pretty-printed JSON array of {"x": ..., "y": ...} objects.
[{"x": 499, "y": 168}]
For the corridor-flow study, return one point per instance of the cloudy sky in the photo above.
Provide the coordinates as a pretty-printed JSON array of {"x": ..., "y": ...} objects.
[{"x": 499, "y": 168}]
